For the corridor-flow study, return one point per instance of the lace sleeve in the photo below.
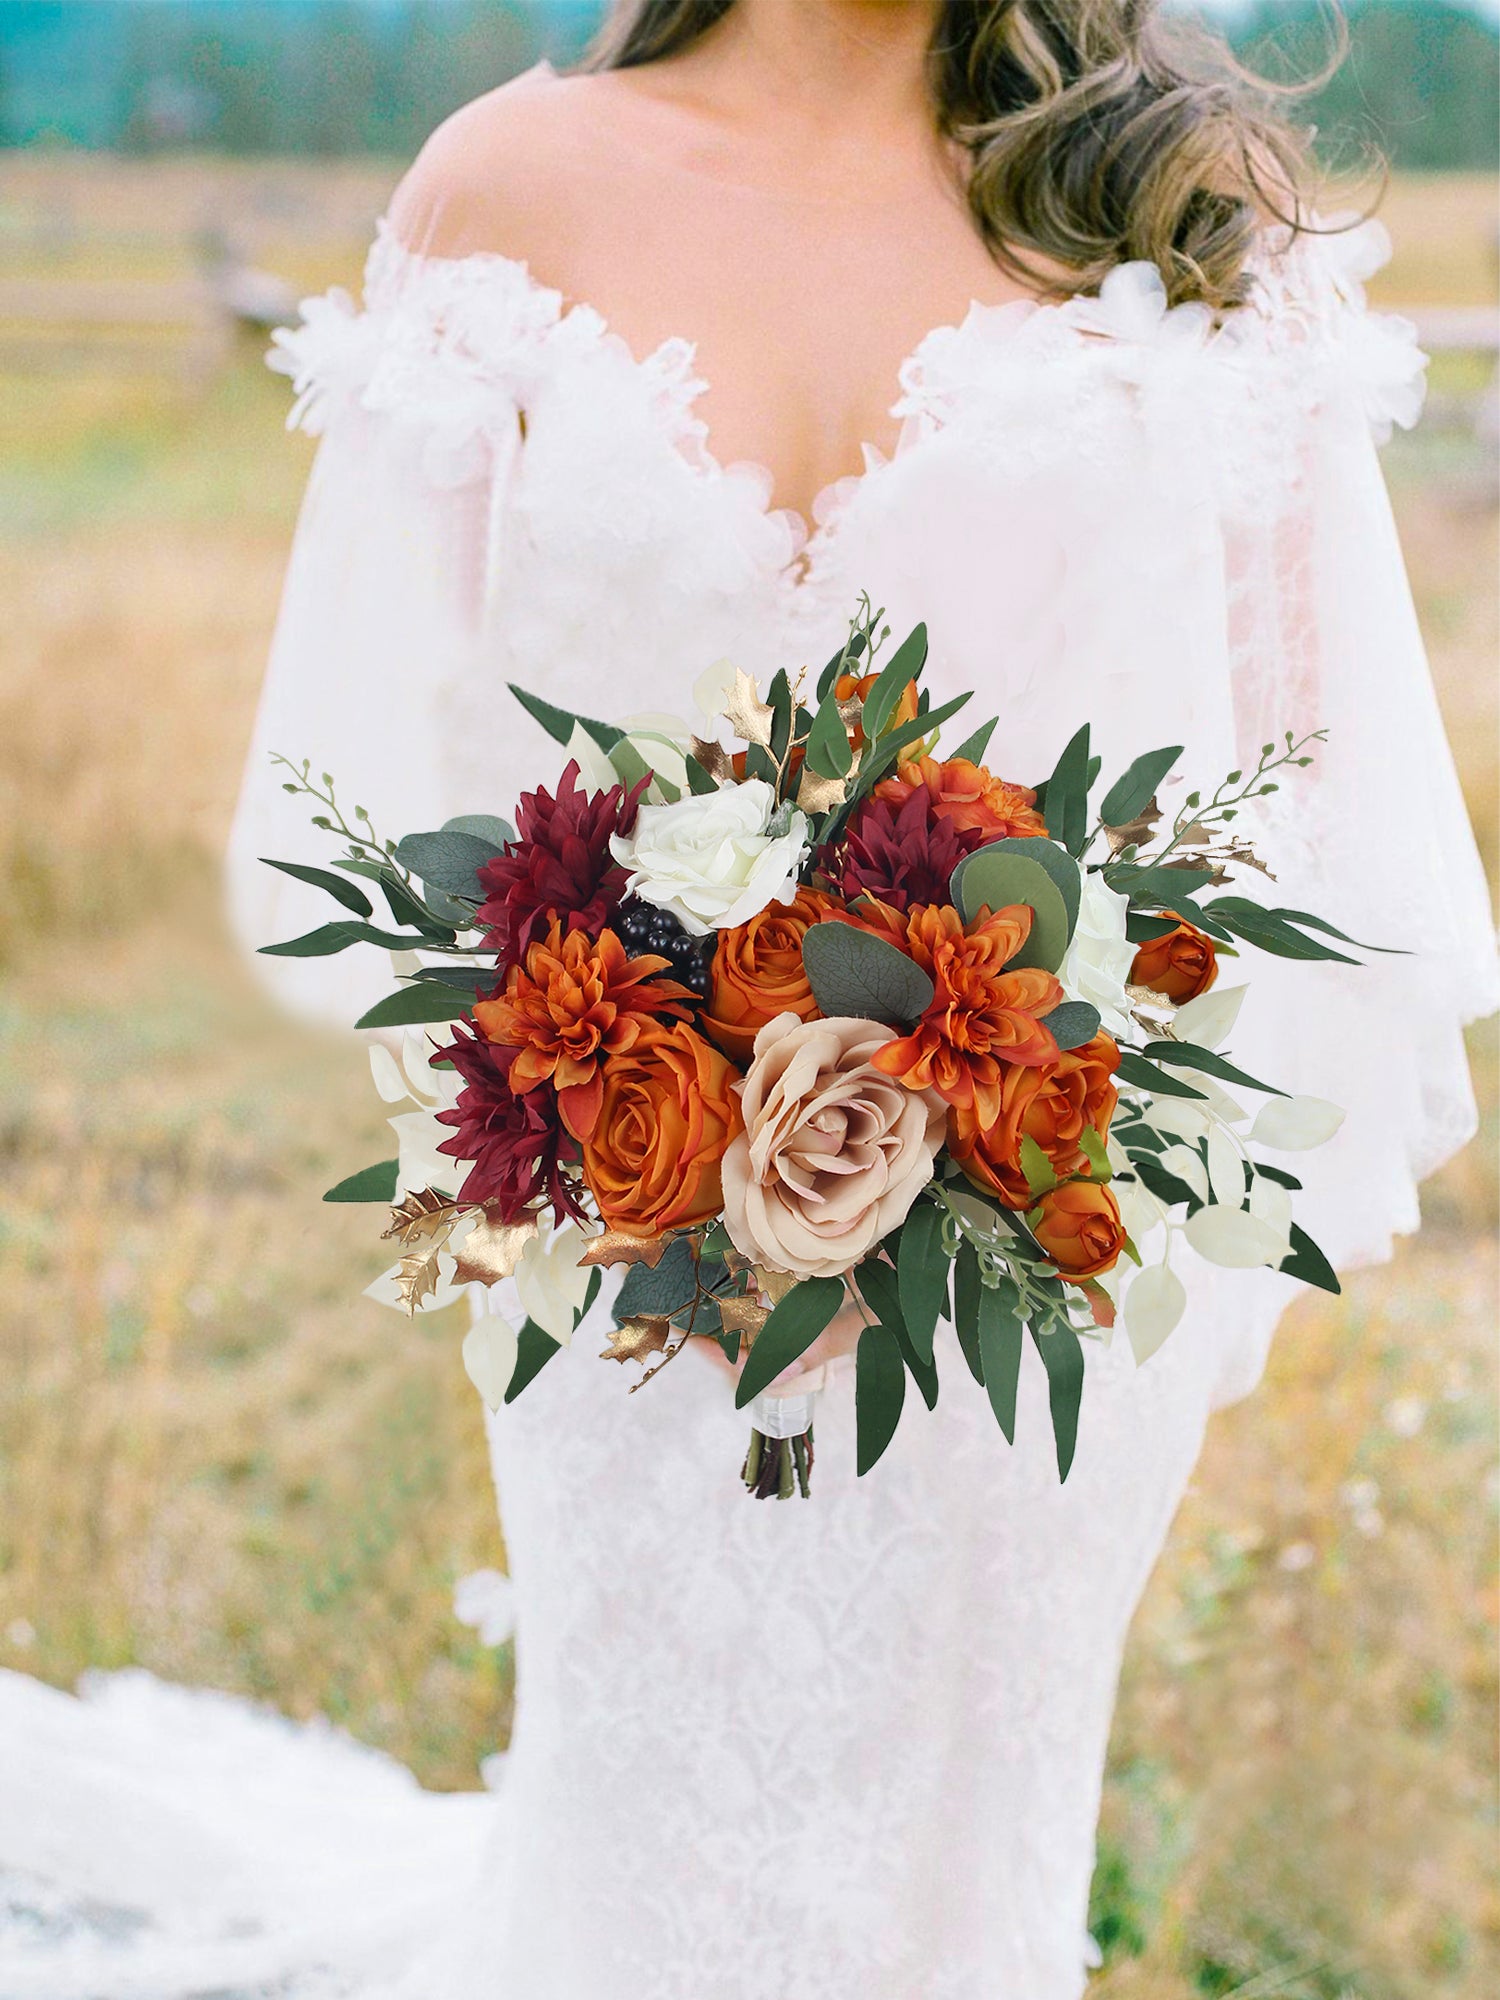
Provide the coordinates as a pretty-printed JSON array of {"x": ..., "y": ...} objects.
[{"x": 418, "y": 398}]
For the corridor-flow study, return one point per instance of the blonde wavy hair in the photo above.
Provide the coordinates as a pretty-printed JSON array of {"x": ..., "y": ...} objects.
[{"x": 1095, "y": 133}]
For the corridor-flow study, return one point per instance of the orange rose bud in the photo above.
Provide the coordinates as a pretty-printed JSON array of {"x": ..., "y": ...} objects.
[
  {"x": 1079, "y": 1228},
  {"x": 758, "y": 972},
  {"x": 851, "y": 687},
  {"x": 968, "y": 794},
  {"x": 667, "y": 1112},
  {"x": 1052, "y": 1105},
  {"x": 1179, "y": 965}
]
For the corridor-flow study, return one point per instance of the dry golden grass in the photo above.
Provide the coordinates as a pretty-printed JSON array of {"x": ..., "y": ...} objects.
[{"x": 217, "y": 1460}]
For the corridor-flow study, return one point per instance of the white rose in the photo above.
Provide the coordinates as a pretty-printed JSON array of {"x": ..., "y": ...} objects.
[
  {"x": 1100, "y": 957},
  {"x": 711, "y": 859}
]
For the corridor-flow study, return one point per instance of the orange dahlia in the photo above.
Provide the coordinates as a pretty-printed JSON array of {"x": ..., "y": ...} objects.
[
  {"x": 1052, "y": 1104},
  {"x": 972, "y": 797},
  {"x": 574, "y": 1002},
  {"x": 982, "y": 1018}
]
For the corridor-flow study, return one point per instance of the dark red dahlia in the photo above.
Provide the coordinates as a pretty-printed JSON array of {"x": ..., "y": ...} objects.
[
  {"x": 513, "y": 1140},
  {"x": 904, "y": 854},
  {"x": 559, "y": 865}
]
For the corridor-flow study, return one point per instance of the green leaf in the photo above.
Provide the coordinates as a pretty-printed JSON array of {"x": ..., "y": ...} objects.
[
  {"x": 879, "y": 1392},
  {"x": 1307, "y": 1262},
  {"x": 559, "y": 723},
  {"x": 1066, "y": 874},
  {"x": 1328, "y": 930},
  {"x": 332, "y": 885},
  {"x": 922, "y": 1370},
  {"x": 658, "y": 1292},
  {"x": 1164, "y": 1184},
  {"x": 1062, "y": 1356},
  {"x": 699, "y": 781},
  {"x": 377, "y": 1183},
  {"x": 1072, "y": 1024},
  {"x": 788, "y": 1333},
  {"x": 423, "y": 1000},
  {"x": 1068, "y": 795},
  {"x": 331, "y": 938},
  {"x": 922, "y": 1274},
  {"x": 1134, "y": 1069},
  {"x": 973, "y": 747},
  {"x": 904, "y": 665},
  {"x": 499, "y": 833},
  {"x": 854, "y": 973},
  {"x": 1130, "y": 794},
  {"x": 1155, "y": 883},
  {"x": 470, "y": 979},
  {"x": 1271, "y": 931},
  {"x": 967, "y": 1295},
  {"x": 1096, "y": 1153},
  {"x": 534, "y": 1349},
  {"x": 629, "y": 765},
  {"x": 1141, "y": 928},
  {"x": 1040, "y": 1178},
  {"x": 1278, "y": 1174},
  {"x": 993, "y": 878},
  {"x": 407, "y": 908},
  {"x": 1000, "y": 1338},
  {"x": 895, "y": 741},
  {"x": 448, "y": 861},
  {"x": 829, "y": 753},
  {"x": 877, "y": 1285},
  {"x": 1189, "y": 1056}
]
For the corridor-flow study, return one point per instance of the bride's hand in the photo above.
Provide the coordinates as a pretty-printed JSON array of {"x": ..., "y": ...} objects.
[{"x": 840, "y": 1336}]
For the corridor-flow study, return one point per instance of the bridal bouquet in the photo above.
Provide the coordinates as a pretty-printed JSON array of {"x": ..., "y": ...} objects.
[{"x": 802, "y": 1013}]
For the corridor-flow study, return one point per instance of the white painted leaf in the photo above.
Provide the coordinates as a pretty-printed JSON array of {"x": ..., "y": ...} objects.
[
  {"x": 1296, "y": 1124},
  {"x": 1272, "y": 1204},
  {"x": 419, "y": 1163},
  {"x": 550, "y": 1282},
  {"x": 386, "y": 1073},
  {"x": 1140, "y": 1211},
  {"x": 1177, "y": 1117},
  {"x": 1218, "y": 1103},
  {"x": 1226, "y": 1167},
  {"x": 1230, "y": 1237},
  {"x": 490, "y": 1356},
  {"x": 1209, "y": 1020},
  {"x": 1188, "y": 1167},
  {"x": 595, "y": 772},
  {"x": 1155, "y": 1301}
]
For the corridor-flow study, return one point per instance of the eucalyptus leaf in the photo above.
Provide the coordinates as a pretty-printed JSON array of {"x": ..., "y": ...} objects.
[
  {"x": 994, "y": 878},
  {"x": 786, "y": 1336},
  {"x": 1072, "y": 1024},
  {"x": 448, "y": 861},
  {"x": 331, "y": 885},
  {"x": 484, "y": 826},
  {"x": 656, "y": 1292},
  {"x": 377, "y": 1183},
  {"x": 1132, "y": 792},
  {"x": 879, "y": 1392},
  {"x": 855, "y": 974}
]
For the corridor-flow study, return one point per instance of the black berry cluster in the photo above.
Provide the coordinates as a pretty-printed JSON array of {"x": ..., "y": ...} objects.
[{"x": 640, "y": 927}]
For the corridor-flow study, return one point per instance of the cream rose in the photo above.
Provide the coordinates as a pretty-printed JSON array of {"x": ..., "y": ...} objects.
[
  {"x": 1100, "y": 957},
  {"x": 711, "y": 858},
  {"x": 833, "y": 1153}
]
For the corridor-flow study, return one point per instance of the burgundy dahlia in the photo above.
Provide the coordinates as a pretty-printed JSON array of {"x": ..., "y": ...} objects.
[
  {"x": 513, "y": 1140},
  {"x": 904, "y": 854},
  {"x": 559, "y": 865}
]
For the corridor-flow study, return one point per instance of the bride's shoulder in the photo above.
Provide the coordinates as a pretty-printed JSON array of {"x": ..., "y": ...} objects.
[{"x": 514, "y": 171}]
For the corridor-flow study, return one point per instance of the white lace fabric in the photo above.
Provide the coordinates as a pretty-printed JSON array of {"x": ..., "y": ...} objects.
[{"x": 852, "y": 1749}]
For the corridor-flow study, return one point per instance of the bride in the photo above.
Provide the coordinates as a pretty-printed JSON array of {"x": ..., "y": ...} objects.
[{"x": 998, "y": 310}]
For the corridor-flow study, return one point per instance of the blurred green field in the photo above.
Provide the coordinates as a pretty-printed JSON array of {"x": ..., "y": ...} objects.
[{"x": 219, "y": 1462}]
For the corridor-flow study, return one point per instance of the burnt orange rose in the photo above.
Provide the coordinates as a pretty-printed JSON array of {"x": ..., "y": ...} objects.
[
  {"x": 758, "y": 974},
  {"x": 972, "y": 797},
  {"x": 667, "y": 1112},
  {"x": 1080, "y": 1229},
  {"x": 1179, "y": 965},
  {"x": 1052, "y": 1105}
]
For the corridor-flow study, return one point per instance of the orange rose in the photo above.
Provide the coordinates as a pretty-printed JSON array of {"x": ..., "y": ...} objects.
[
  {"x": 758, "y": 974},
  {"x": 1080, "y": 1229},
  {"x": 1180, "y": 964},
  {"x": 1052, "y": 1105},
  {"x": 972, "y": 797},
  {"x": 667, "y": 1112},
  {"x": 851, "y": 687}
]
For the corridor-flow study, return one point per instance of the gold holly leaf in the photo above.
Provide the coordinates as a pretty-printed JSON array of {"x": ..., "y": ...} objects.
[
  {"x": 1152, "y": 1009},
  {"x": 743, "y": 1316},
  {"x": 417, "y": 1278},
  {"x": 619, "y": 1246},
  {"x": 775, "y": 1284},
  {"x": 491, "y": 1251},
  {"x": 1134, "y": 831},
  {"x": 1194, "y": 861},
  {"x": 817, "y": 794},
  {"x": 634, "y": 1339},
  {"x": 422, "y": 1215},
  {"x": 851, "y": 712},
  {"x": 747, "y": 715},
  {"x": 713, "y": 757}
]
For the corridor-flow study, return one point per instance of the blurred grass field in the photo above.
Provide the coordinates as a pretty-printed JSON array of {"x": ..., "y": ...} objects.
[{"x": 218, "y": 1462}]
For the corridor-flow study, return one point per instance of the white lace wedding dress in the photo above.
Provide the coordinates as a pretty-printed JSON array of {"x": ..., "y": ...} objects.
[{"x": 849, "y": 1749}]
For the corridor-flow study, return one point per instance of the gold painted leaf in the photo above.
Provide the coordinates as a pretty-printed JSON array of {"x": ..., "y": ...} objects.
[
  {"x": 743, "y": 1316},
  {"x": 636, "y": 1338},
  {"x": 775, "y": 1284},
  {"x": 619, "y": 1246},
  {"x": 417, "y": 1278},
  {"x": 491, "y": 1250},
  {"x": 817, "y": 794},
  {"x": 422, "y": 1215},
  {"x": 1134, "y": 832},
  {"x": 713, "y": 757},
  {"x": 748, "y": 716}
]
